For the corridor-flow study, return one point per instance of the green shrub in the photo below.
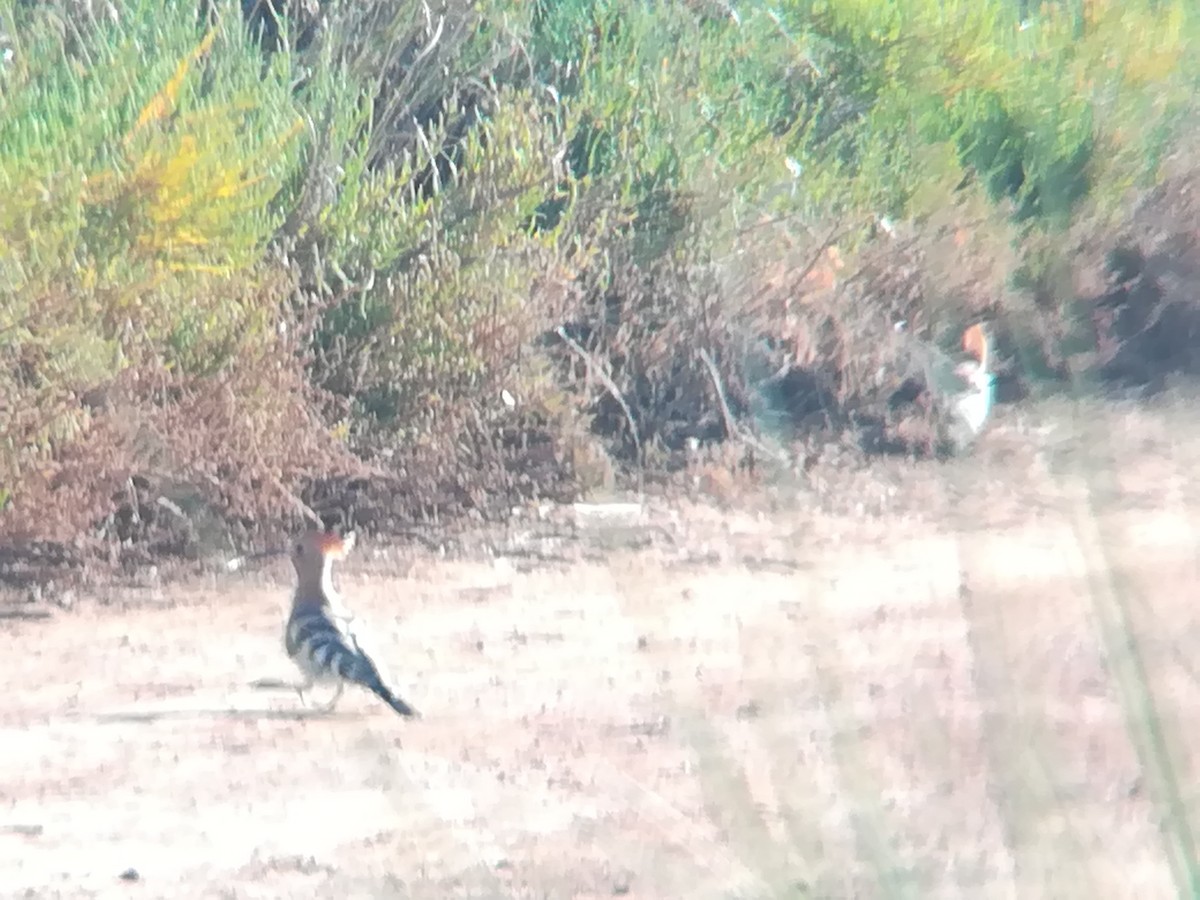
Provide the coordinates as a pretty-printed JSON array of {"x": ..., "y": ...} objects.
[
  {"x": 449, "y": 274},
  {"x": 143, "y": 160},
  {"x": 694, "y": 191}
]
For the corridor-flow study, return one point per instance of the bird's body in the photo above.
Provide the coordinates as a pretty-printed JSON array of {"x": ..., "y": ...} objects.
[
  {"x": 974, "y": 393},
  {"x": 321, "y": 637}
]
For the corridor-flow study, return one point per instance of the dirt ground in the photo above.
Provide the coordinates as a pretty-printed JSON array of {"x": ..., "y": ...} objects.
[{"x": 922, "y": 681}]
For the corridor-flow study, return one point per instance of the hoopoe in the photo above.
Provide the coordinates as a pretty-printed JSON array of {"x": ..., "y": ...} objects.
[
  {"x": 966, "y": 386},
  {"x": 975, "y": 391},
  {"x": 321, "y": 636}
]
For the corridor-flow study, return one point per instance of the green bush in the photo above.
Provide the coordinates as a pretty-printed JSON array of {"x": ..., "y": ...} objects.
[
  {"x": 420, "y": 195},
  {"x": 140, "y": 195}
]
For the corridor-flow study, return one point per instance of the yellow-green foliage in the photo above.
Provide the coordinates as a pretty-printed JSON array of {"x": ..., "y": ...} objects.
[
  {"x": 1041, "y": 109},
  {"x": 858, "y": 109},
  {"x": 141, "y": 160},
  {"x": 846, "y": 107}
]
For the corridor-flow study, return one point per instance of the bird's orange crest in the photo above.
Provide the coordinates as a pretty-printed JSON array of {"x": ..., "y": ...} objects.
[
  {"x": 329, "y": 544},
  {"x": 975, "y": 342},
  {"x": 332, "y": 545}
]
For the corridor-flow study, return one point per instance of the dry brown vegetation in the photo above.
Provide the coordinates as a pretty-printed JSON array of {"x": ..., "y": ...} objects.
[
  {"x": 177, "y": 467},
  {"x": 451, "y": 260}
]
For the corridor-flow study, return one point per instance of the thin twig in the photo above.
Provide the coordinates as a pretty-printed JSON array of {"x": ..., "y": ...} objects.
[
  {"x": 595, "y": 369},
  {"x": 726, "y": 414},
  {"x": 437, "y": 33},
  {"x": 731, "y": 428}
]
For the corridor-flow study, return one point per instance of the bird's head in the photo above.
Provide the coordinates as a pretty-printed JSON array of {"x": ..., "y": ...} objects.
[
  {"x": 315, "y": 550},
  {"x": 977, "y": 341}
]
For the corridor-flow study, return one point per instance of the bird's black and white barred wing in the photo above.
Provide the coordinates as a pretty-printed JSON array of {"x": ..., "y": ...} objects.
[{"x": 329, "y": 647}]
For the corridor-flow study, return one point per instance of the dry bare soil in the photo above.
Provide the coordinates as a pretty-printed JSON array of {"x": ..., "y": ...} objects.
[{"x": 920, "y": 680}]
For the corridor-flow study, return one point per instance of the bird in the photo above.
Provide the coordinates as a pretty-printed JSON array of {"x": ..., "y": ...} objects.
[
  {"x": 322, "y": 637},
  {"x": 974, "y": 392},
  {"x": 964, "y": 387}
]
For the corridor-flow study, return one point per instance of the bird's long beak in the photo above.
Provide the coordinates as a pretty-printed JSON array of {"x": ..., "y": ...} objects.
[
  {"x": 237, "y": 563},
  {"x": 333, "y": 546}
]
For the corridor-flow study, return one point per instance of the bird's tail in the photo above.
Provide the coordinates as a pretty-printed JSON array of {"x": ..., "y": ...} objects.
[
  {"x": 357, "y": 667},
  {"x": 395, "y": 702}
]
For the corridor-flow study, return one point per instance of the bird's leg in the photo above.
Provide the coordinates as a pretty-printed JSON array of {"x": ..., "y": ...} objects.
[
  {"x": 304, "y": 688},
  {"x": 328, "y": 707}
]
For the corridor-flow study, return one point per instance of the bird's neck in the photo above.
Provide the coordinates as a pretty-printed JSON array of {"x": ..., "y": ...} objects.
[
  {"x": 981, "y": 379},
  {"x": 316, "y": 589}
]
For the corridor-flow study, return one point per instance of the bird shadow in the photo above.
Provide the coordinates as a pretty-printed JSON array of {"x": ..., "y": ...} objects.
[
  {"x": 230, "y": 713},
  {"x": 271, "y": 684},
  {"x": 254, "y": 715}
]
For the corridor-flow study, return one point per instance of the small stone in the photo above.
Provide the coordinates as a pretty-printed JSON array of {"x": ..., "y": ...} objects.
[
  {"x": 130, "y": 874},
  {"x": 747, "y": 711}
]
